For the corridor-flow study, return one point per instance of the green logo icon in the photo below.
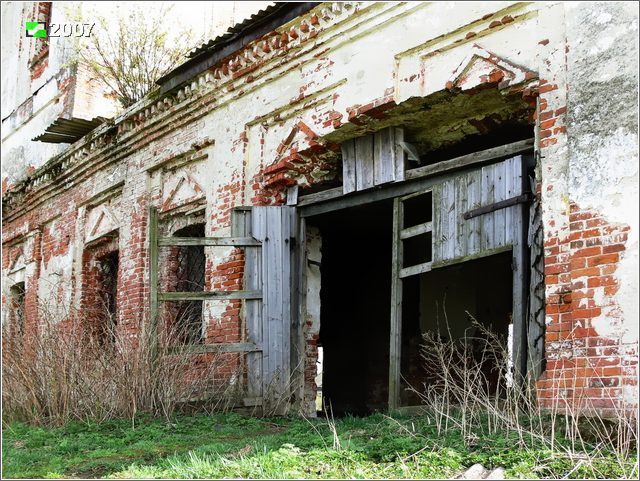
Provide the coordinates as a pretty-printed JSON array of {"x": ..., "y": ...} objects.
[{"x": 37, "y": 29}]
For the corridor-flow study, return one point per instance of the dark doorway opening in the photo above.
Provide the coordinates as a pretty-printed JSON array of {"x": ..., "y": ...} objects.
[
  {"x": 355, "y": 304},
  {"x": 445, "y": 301},
  {"x": 16, "y": 312},
  {"x": 190, "y": 264},
  {"x": 108, "y": 294}
]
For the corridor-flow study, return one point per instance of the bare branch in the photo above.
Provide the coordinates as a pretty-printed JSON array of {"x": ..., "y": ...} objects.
[{"x": 130, "y": 55}]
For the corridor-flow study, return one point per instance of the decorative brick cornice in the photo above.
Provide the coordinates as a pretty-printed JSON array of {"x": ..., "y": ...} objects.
[{"x": 242, "y": 62}]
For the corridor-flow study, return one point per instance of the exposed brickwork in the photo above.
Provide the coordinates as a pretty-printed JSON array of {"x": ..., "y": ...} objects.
[
  {"x": 45, "y": 238},
  {"x": 32, "y": 318},
  {"x": 134, "y": 295},
  {"x": 361, "y": 114},
  {"x": 302, "y": 159},
  {"x": 226, "y": 276},
  {"x": 228, "y": 197},
  {"x": 585, "y": 366},
  {"x": 40, "y": 60},
  {"x": 40, "y": 64},
  {"x": 589, "y": 361},
  {"x": 92, "y": 307},
  {"x": 311, "y": 336}
]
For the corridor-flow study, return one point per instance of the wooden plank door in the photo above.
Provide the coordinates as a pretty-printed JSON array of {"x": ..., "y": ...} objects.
[
  {"x": 483, "y": 212},
  {"x": 275, "y": 227},
  {"x": 475, "y": 214},
  {"x": 373, "y": 159}
]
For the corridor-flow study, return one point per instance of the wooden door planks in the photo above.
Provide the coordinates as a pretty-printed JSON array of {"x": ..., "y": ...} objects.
[{"x": 372, "y": 159}]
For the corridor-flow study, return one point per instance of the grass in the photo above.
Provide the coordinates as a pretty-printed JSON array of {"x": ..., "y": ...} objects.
[{"x": 234, "y": 446}]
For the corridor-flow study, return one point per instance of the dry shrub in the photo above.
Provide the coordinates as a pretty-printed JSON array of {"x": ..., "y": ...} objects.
[
  {"x": 473, "y": 389},
  {"x": 69, "y": 371}
]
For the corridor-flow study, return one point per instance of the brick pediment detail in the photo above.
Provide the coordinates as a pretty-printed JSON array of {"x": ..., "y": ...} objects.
[
  {"x": 301, "y": 159},
  {"x": 184, "y": 190},
  {"x": 18, "y": 261},
  {"x": 484, "y": 69},
  {"x": 102, "y": 222}
]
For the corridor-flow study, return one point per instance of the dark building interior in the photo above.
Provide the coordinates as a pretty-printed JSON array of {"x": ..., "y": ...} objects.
[
  {"x": 356, "y": 299},
  {"x": 355, "y": 303}
]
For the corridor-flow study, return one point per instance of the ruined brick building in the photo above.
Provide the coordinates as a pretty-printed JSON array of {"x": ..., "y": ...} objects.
[{"x": 339, "y": 178}]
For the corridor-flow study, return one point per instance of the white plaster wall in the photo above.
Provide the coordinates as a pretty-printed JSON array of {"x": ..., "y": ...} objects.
[
  {"x": 602, "y": 71},
  {"x": 439, "y": 41},
  {"x": 366, "y": 55},
  {"x": 314, "y": 258},
  {"x": 21, "y": 122},
  {"x": 55, "y": 278},
  {"x": 372, "y": 51},
  {"x": 19, "y": 152},
  {"x": 13, "y": 56}
]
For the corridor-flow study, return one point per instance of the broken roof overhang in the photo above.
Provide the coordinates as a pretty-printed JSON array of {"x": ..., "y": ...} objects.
[
  {"x": 68, "y": 131},
  {"x": 210, "y": 53}
]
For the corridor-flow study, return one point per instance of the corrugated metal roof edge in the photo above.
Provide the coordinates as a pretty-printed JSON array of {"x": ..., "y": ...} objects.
[
  {"x": 264, "y": 22},
  {"x": 237, "y": 28},
  {"x": 72, "y": 129}
]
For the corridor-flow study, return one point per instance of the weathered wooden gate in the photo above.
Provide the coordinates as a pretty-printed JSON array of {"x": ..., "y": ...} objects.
[
  {"x": 267, "y": 235},
  {"x": 472, "y": 214}
]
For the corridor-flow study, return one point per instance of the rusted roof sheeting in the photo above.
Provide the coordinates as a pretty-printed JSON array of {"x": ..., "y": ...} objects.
[
  {"x": 67, "y": 131},
  {"x": 207, "y": 55}
]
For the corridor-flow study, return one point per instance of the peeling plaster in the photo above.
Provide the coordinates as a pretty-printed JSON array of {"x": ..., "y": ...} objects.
[
  {"x": 314, "y": 255},
  {"x": 54, "y": 298},
  {"x": 603, "y": 136}
]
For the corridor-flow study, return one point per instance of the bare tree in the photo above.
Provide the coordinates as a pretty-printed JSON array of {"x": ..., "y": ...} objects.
[{"x": 129, "y": 51}]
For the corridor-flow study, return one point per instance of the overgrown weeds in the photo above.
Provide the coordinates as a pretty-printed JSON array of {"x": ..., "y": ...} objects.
[
  {"x": 475, "y": 410},
  {"x": 474, "y": 389},
  {"x": 71, "y": 371}
]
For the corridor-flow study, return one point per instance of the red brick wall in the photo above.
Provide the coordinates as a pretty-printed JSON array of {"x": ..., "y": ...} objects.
[
  {"x": 584, "y": 367},
  {"x": 133, "y": 296}
]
